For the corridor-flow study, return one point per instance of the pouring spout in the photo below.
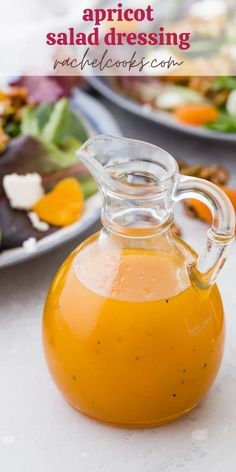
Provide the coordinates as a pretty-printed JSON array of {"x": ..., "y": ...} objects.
[
  {"x": 136, "y": 180},
  {"x": 129, "y": 167},
  {"x": 90, "y": 155}
]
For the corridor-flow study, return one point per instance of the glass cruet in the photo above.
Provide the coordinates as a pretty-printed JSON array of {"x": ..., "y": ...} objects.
[{"x": 133, "y": 324}]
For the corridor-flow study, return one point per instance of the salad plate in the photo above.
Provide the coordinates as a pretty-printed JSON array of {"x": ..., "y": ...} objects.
[
  {"x": 96, "y": 120},
  {"x": 163, "y": 118}
]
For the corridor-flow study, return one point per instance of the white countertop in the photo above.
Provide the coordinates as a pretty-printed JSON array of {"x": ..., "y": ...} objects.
[{"x": 39, "y": 432}]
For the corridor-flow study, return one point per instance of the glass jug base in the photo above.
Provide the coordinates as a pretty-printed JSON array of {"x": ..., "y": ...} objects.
[{"x": 139, "y": 425}]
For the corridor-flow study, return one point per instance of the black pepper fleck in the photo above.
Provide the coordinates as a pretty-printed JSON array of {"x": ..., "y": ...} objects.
[
  {"x": 184, "y": 370},
  {"x": 74, "y": 377},
  {"x": 99, "y": 342},
  {"x": 204, "y": 365},
  {"x": 167, "y": 301},
  {"x": 173, "y": 394},
  {"x": 137, "y": 358}
]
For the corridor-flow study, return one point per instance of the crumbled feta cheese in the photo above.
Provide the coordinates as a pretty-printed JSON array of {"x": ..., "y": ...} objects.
[
  {"x": 23, "y": 191},
  {"x": 37, "y": 223},
  {"x": 231, "y": 103},
  {"x": 208, "y": 9},
  {"x": 176, "y": 96},
  {"x": 30, "y": 244},
  {"x": 170, "y": 100}
]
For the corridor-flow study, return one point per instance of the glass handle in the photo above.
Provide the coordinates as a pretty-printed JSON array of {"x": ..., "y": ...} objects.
[{"x": 219, "y": 236}]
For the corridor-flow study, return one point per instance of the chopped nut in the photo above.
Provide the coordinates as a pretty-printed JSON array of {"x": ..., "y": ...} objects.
[
  {"x": 201, "y": 84},
  {"x": 18, "y": 92},
  {"x": 220, "y": 97},
  {"x": 216, "y": 174},
  {"x": 4, "y": 139},
  {"x": 12, "y": 103},
  {"x": 189, "y": 210},
  {"x": 176, "y": 230},
  {"x": 204, "y": 85}
]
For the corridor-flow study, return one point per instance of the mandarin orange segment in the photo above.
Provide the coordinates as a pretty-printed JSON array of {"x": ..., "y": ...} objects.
[
  {"x": 203, "y": 212},
  {"x": 199, "y": 114},
  {"x": 63, "y": 205}
]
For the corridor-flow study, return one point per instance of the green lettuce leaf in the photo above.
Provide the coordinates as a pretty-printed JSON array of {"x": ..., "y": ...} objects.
[
  {"x": 224, "y": 82},
  {"x": 224, "y": 123},
  {"x": 62, "y": 124},
  {"x": 58, "y": 128},
  {"x": 89, "y": 186}
]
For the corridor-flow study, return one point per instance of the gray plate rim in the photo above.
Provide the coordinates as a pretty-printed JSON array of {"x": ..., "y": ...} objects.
[{"x": 99, "y": 84}]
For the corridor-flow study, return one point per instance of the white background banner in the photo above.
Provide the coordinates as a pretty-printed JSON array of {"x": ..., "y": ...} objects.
[{"x": 153, "y": 37}]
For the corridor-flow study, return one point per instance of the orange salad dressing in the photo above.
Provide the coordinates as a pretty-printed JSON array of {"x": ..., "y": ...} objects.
[{"x": 131, "y": 348}]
